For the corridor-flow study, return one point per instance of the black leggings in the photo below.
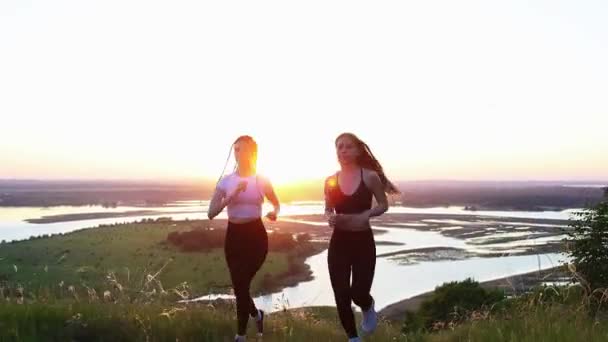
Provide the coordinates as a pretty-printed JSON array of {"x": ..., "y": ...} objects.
[
  {"x": 351, "y": 252},
  {"x": 245, "y": 249}
]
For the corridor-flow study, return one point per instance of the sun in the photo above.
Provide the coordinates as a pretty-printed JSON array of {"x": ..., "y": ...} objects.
[
  {"x": 285, "y": 175},
  {"x": 290, "y": 162},
  {"x": 290, "y": 171}
]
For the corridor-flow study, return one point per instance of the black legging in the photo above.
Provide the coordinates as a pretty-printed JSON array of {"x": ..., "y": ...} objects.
[
  {"x": 245, "y": 249},
  {"x": 355, "y": 252}
]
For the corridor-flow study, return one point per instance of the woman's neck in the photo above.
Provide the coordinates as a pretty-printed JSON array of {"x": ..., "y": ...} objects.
[
  {"x": 245, "y": 171},
  {"x": 350, "y": 168}
]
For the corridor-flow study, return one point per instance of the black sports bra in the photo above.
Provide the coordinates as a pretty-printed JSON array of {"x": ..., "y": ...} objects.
[{"x": 358, "y": 202}]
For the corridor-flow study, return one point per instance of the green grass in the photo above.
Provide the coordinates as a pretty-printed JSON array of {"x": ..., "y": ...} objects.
[
  {"x": 130, "y": 251},
  {"x": 67, "y": 320},
  {"x": 120, "y": 322},
  {"x": 551, "y": 324},
  {"x": 546, "y": 314}
]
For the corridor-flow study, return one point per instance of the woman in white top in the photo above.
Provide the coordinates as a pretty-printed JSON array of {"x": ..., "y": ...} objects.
[{"x": 246, "y": 245}]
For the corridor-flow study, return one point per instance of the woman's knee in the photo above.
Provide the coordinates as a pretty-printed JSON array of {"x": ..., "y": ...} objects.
[
  {"x": 362, "y": 299},
  {"x": 343, "y": 297}
]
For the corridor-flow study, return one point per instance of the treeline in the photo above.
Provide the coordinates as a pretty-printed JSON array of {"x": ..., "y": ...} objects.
[
  {"x": 501, "y": 197},
  {"x": 106, "y": 198}
]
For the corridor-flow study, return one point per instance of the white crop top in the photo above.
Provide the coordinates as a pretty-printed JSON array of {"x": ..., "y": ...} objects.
[{"x": 248, "y": 203}]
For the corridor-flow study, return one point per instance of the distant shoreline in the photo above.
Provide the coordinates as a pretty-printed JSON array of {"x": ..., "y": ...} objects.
[
  {"x": 93, "y": 216},
  {"x": 534, "y": 208},
  {"x": 105, "y": 215}
]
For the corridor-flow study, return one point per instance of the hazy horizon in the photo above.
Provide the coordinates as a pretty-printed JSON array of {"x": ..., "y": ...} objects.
[{"x": 591, "y": 182}]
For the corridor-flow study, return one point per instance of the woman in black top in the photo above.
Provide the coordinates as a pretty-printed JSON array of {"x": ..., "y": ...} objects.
[{"x": 352, "y": 250}]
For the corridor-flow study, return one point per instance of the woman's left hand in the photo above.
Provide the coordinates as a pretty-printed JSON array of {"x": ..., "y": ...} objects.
[{"x": 272, "y": 216}]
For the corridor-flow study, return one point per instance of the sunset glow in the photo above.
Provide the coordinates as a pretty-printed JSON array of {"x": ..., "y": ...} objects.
[{"x": 457, "y": 90}]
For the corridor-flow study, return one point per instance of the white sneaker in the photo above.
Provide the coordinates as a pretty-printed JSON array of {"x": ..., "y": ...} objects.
[
  {"x": 239, "y": 338},
  {"x": 354, "y": 339},
  {"x": 370, "y": 320}
]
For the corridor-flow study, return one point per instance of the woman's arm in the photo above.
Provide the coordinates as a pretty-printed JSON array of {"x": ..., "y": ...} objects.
[
  {"x": 274, "y": 200},
  {"x": 329, "y": 206},
  {"x": 375, "y": 185},
  {"x": 217, "y": 203}
]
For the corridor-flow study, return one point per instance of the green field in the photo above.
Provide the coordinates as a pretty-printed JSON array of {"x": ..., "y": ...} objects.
[
  {"x": 122, "y": 283},
  {"x": 127, "y": 254}
]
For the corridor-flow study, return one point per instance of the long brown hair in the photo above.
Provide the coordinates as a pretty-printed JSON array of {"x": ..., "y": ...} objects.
[{"x": 367, "y": 160}]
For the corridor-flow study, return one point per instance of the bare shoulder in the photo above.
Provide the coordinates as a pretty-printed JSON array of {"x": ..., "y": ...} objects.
[
  {"x": 331, "y": 181},
  {"x": 332, "y": 178},
  {"x": 222, "y": 184},
  {"x": 264, "y": 181},
  {"x": 372, "y": 180},
  {"x": 262, "y": 178},
  {"x": 370, "y": 176}
]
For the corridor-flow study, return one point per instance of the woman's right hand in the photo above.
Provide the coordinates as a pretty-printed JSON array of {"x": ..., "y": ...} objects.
[
  {"x": 331, "y": 219},
  {"x": 242, "y": 186}
]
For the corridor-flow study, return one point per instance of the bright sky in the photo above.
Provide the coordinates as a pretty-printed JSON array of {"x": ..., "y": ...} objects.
[{"x": 449, "y": 89}]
